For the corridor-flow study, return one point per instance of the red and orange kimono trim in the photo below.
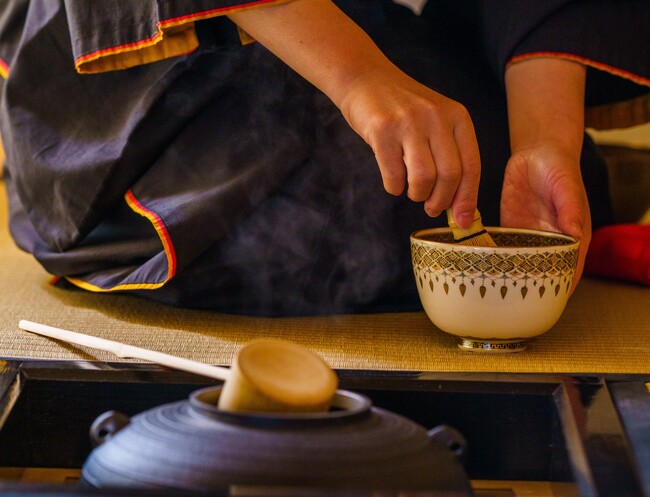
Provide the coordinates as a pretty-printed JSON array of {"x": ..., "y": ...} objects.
[
  {"x": 167, "y": 244},
  {"x": 175, "y": 37},
  {"x": 4, "y": 69}
]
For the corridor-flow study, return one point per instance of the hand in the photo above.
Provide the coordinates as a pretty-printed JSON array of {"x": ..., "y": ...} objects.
[
  {"x": 543, "y": 189},
  {"x": 422, "y": 140},
  {"x": 543, "y": 186}
]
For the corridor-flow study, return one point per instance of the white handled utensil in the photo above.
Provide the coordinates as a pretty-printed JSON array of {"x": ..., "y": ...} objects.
[
  {"x": 268, "y": 375},
  {"x": 127, "y": 351}
]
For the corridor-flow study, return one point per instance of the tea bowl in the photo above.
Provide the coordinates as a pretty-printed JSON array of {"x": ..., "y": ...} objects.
[{"x": 494, "y": 299}]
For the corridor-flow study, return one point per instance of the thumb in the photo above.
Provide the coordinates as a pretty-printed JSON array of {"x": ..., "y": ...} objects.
[
  {"x": 572, "y": 210},
  {"x": 574, "y": 219},
  {"x": 571, "y": 221}
]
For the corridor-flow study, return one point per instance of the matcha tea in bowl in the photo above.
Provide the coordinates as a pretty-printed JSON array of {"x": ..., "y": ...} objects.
[{"x": 494, "y": 299}]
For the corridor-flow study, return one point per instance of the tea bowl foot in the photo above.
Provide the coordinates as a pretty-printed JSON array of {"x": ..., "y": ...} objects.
[{"x": 492, "y": 346}]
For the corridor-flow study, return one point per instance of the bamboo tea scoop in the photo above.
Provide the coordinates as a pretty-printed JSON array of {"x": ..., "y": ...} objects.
[{"x": 268, "y": 375}]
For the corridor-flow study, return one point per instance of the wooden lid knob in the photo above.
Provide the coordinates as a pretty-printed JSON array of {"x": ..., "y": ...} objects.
[{"x": 275, "y": 375}]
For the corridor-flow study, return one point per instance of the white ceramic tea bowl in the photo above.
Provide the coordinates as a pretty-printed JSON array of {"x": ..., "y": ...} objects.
[{"x": 495, "y": 299}]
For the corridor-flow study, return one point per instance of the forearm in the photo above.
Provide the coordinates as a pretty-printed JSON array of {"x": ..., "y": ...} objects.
[
  {"x": 420, "y": 138},
  {"x": 317, "y": 40},
  {"x": 546, "y": 103}
]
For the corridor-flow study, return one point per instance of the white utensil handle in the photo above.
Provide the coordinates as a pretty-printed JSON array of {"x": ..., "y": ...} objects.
[{"x": 126, "y": 351}]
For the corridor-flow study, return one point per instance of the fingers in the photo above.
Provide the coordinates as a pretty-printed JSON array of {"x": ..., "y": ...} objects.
[
  {"x": 543, "y": 189},
  {"x": 421, "y": 169},
  {"x": 448, "y": 172},
  {"x": 452, "y": 173},
  {"x": 439, "y": 167},
  {"x": 572, "y": 212},
  {"x": 574, "y": 219},
  {"x": 423, "y": 142},
  {"x": 464, "y": 202},
  {"x": 390, "y": 159},
  {"x": 580, "y": 228},
  {"x": 582, "y": 256}
]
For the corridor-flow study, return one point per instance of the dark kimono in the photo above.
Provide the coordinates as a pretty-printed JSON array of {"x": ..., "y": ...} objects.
[{"x": 153, "y": 148}]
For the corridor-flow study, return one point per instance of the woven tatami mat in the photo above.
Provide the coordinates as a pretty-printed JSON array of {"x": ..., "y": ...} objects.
[{"x": 605, "y": 329}]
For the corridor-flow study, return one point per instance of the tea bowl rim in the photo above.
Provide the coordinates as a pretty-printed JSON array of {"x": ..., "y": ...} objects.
[{"x": 573, "y": 242}]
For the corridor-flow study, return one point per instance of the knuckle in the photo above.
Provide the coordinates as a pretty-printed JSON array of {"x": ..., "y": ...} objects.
[
  {"x": 419, "y": 191},
  {"x": 472, "y": 166},
  {"x": 460, "y": 111},
  {"x": 431, "y": 112},
  {"x": 420, "y": 174},
  {"x": 382, "y": 125},
  {"x": 416, "y": 195},
  {"x": 440, "y": 114},
  {"x": 434, "y": 207},
  {"x": 393, "y": 180},
  {"x": 449, "y": 175}
]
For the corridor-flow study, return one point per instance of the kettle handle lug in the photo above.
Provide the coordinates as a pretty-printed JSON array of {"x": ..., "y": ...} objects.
[
  {"x": 451, "y": 438},
  {"x": 106, "y": 425}
]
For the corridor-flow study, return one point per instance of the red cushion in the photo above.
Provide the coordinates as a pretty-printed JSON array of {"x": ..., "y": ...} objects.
[{"x": 620, "y": 252}]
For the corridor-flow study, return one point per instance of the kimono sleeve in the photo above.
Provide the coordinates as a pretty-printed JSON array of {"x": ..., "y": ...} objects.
[
  {"x": 611, "y": 38},
  {"x": 110, "y": 35}
]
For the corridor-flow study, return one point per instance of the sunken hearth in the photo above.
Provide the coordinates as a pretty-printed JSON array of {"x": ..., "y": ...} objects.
[{"x": 547, "y": 434}]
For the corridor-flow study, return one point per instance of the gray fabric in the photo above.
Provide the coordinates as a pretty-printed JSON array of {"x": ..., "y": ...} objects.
[{"x": 222, "y": 146}]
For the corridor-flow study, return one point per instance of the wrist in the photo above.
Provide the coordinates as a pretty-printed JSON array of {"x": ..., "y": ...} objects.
[{"x": 546, "y": 104}]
